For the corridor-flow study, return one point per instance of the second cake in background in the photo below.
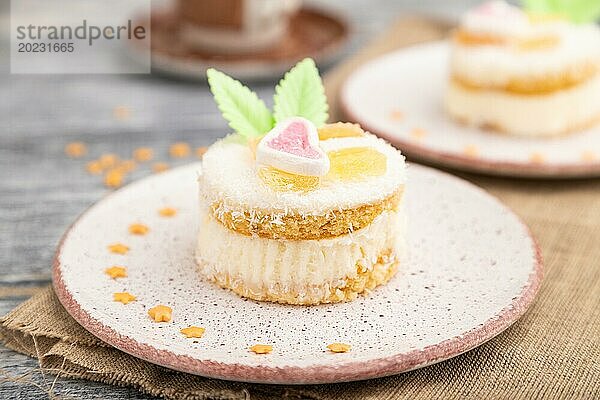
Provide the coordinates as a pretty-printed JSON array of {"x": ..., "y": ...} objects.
[{"x": 524, "y": 74}]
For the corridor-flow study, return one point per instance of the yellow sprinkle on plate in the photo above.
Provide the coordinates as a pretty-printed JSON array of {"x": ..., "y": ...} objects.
[
  {"x": 138, "y": 229},
  {"x": 123, "y": 297},
  {"x": 193, "y": 332},
  {"x": 118, "y": 248},
  {"x": 116, "y": 272},
  {"x": 261, "y": 348},
  {"x": 339, "y": 347},
  {"x": 167, "y": 211},
  {"x": 160, "y": 313}
]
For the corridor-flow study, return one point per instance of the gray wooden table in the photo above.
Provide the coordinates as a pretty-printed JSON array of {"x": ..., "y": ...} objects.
[{"x": 42, "y": 191}]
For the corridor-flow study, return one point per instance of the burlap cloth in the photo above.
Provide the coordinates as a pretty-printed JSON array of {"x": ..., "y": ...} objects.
[{"x": 552, "y": 352}]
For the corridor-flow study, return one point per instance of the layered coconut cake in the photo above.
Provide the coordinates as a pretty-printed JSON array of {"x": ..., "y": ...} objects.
[
  {"x": 294, "y": 210},
  {"x": 524, "y": 73}
]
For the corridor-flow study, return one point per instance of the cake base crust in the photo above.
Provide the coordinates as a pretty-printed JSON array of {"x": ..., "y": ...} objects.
[
  {"x": 348, "y": 288},
  {"x": 272, "y": 224},
  {"x": 546, "y": 115}
]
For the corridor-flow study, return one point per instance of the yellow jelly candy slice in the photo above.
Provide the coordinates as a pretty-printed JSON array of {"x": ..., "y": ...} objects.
[
  {"x": 355, "y": 163},
  {"x": 340, "y": 129},
  {"x": 282, "y": 181}
]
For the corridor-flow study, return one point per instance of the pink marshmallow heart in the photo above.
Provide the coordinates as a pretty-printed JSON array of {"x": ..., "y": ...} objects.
[{"x": 293, "y": 146}]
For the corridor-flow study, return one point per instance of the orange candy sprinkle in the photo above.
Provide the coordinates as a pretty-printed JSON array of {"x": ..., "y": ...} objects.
[
  {"x": 537, "y": 158},
  {"x": 108, "y": 160},
  {"x": 143, "y": 154},
  {"x": 193, "y": 332},
  {"x": 114, "y": 178},
  {"x": 138, "y": 229},
  {"x": 396, "y": 115},
  {"x": 588, "y": 156},
  {"x": 160, "y": 313},
  {"x": 116, "y": 272},
  {"x": 123, "y": 297},
  {"x": 282, "y": 181},
  {"x": 76, "y": 149},
  {"x": 122, "y": 112},
  {"x": 126, "y": 166},
  {"x": 179, "y": 150},
  {"x": 261, "y": 348},
  {"x": 94, "y": 167},
  {"x": 471, "y": 151},
  {"x": 200, "y": 151},
  {"x": 418, "y": 133},
  {"x": 167, "y": 212},
  {"x": 339, "y": 347},
  {"x": 340, "y": 129},
  {"x": 160, "y": 167},
  {"x": 118, "y": 248},
  {"x": 355, "y": 163}
]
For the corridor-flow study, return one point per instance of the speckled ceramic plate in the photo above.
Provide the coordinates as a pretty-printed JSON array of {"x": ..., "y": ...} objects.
[
  {"x": 400, "y": 97},
  {"x": 473, "y": 269}
]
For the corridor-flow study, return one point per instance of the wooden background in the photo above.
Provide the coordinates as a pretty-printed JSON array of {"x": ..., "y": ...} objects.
[{"x": 42, "y": 191}]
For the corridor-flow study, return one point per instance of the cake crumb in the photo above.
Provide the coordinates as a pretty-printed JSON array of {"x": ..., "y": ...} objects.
[
  {"x": 167, "y": 212},
  {"x": 179, "y": 150},
  {"x": 160, "y": 313},
  {"x": 160, "y": 167},
  {"x": 116, "y": 272},
  {"x": 142, "y": 154},
  {"x": 118, "y": 248},
  {"x": 76, "y": 149},
  {"x": 138, "y": 229},
  {"x": 193, "y": 332},
  {"x": 261, "y": 348},
  {"x": 339, "y": 347},
  {"x": 123, "y": 297}
]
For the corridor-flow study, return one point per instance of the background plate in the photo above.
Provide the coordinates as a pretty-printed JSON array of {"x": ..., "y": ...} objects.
[
  {"x": 400, "y": 97},
  {"x": 473, "y": 269}
]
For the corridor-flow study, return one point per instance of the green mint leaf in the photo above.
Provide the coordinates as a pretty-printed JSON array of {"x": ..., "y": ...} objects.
[
  {"x": 241, "y": 107},
  {"x": 301, "y": 94},
  {"x": 577, "y": 11}
]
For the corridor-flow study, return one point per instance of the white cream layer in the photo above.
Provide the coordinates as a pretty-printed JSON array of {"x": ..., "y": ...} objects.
[
  {"x": 495, "y": 66},
  {"x": 528, "y": 115},
  {"x": 229, "y": 177},
  {"x": 278, "y": 265}
]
